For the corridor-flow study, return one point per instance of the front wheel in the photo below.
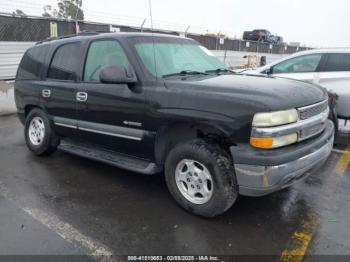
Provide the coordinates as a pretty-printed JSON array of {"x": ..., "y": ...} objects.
[
  {"x": 201, "y": 178},
  {"x": 39, "y": 136}
]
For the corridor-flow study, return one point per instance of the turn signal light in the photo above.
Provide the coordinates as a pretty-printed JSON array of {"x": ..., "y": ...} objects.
[
  {"x": 261, "y": 142},
  {"x": 273, "y": 142}
]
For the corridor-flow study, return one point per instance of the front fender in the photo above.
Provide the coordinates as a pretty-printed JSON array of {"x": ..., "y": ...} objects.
[{"x": 220, "y": 121}]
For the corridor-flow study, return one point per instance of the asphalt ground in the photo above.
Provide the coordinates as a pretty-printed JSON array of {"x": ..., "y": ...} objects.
[{"x": 84, "y": 210}]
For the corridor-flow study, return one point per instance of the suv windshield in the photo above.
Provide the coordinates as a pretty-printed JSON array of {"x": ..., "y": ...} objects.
[{"x": 177, "y": 57}]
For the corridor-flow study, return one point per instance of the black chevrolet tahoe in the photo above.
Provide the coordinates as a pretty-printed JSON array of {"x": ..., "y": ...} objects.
[{"x": 154, "y": 103}]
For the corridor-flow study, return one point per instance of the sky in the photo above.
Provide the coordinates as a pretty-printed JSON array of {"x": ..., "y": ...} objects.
[{"x": 316, "y": 23}]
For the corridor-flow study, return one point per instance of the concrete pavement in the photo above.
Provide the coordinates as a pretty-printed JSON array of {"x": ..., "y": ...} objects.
[{"x": 7, "y": 102}]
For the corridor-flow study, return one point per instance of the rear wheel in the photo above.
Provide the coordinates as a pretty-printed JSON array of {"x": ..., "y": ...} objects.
[
  {"x": 200, "y": 176},
  {"x": 39, "y": 136}
]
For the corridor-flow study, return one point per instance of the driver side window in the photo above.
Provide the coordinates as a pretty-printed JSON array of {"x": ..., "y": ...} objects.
[
  {"x": 103, "y": 53},
  {"x": 301, "y": 64}
]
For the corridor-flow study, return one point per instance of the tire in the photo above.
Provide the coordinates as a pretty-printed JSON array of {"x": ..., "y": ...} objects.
[
  {"x": 201, "y": 157},
  {"x": 44, "y": 141}
]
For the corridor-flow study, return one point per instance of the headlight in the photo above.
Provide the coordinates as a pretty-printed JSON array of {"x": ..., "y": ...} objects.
[
  {"x": 273, "y": 142},
  {"x": 275, "y": 118}
]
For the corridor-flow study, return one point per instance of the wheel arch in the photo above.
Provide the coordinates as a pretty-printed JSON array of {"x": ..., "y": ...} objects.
[
  {"x": 30, "y": 107},
  {"x": 180, "y": 132}
]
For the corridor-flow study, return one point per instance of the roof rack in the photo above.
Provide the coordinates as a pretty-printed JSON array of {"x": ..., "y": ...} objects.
[{"x": 82, "y": 33}]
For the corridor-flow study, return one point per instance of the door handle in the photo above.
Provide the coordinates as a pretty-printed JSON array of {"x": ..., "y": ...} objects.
[
  {"x": 46, "y": 93},
  {"x": 82, "y": 96}
]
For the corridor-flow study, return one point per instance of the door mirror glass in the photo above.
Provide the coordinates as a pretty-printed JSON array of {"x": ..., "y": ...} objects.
[{"x": 117, "y": 74}]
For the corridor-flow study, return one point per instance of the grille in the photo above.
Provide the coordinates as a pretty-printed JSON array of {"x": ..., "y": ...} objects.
[{"x": 312, "y": 110}]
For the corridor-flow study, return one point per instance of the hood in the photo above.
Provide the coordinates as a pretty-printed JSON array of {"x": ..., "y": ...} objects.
[{"x": 265, "y": 92}]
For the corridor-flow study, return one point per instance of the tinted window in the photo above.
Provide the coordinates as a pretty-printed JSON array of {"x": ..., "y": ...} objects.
[
  {"x": 65, "y": 62},
  {"x": 103, "y": 53},
  {"x": 337, "y": 62},
  {"x": 300, "y": 64},
  {"x": 31, "y": 63}
]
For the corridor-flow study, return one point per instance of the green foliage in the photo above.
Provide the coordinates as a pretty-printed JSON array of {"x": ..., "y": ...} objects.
[
  {"x": 49, "y": 11},
  {"x": 18, "y": 12},
  {"x": 70, "y": 9}
]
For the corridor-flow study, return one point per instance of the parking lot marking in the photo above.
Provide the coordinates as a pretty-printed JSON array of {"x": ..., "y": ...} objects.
[
  {"x": 339, "y": 151},
  {"x": 68, "y": 232},
  {"x": 96, "y": 250},
  {"x": 343, "y": 162},
  {"x": 300, "y": 241}
]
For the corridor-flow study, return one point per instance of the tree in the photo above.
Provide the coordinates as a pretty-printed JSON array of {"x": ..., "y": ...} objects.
[
  {"x": 49, "y": 11},
  {"x": 70, "y": 9},
  {"x": 19, "y": 12}
]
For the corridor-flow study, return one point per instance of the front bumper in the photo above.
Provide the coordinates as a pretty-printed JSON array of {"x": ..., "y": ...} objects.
[{"x": 260, "y": 172}]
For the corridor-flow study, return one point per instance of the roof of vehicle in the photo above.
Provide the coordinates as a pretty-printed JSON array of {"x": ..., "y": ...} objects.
[
  {"x": 86, "y": 34},
  {"x": 260, "y": 30},
  {"x": 307, "y": 52},
  {"x": 324, "y": 50}
]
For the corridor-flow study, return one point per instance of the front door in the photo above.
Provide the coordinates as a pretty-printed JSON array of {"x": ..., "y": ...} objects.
[
  {"x": 111, "y": 115},
  {"x": 302, "y": 68}
]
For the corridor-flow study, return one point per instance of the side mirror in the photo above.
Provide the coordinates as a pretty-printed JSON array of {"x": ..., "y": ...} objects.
[
  {"x": 269, "y": 71},
  {"x": 117, "y": 74},
  {"x": 263, "y": 60}
]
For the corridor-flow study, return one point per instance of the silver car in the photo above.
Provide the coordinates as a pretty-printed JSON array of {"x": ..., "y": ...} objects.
[{"x": 329, "y": 68}]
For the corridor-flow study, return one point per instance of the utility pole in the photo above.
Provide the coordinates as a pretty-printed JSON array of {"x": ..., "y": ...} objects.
[
  {"x": 77, "y": 29},
  {"x": 143, "y": 23},
  {"x": 187, "y": 30}
]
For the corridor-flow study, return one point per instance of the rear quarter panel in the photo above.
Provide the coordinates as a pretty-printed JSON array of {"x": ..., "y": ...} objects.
[
  {"x": 26, "y": 93},
  {"x": 339, "y": 83}
]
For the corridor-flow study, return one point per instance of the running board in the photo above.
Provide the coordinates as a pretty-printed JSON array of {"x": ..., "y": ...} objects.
[{"x": 109, "y": 157}]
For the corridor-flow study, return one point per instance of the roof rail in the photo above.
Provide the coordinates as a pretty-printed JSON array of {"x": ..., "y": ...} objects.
[{"x": 82, "y": 33}]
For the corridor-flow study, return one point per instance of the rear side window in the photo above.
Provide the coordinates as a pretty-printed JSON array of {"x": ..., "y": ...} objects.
[
  {"x": 32, "y": 63},
  {"x": 337, "y": 62},
  {"x": 65, "y": 62},
  {"x": 103, "y": 53}
]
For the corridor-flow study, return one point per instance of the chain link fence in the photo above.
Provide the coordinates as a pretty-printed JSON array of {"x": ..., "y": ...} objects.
[{"x": 32, "y": 29}]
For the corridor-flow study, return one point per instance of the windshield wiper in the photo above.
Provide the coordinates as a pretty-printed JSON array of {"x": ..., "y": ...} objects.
[
  {"x": 220, "y": 70},
  {"x": 185, "y": 73}
]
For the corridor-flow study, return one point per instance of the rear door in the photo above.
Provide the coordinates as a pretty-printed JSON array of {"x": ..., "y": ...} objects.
[
  {"x": 60, "y": 87},
  {"x": 305, "y": 67},
  {"x": 111, "y": 115},
  {"x": 335, "y": 76}
]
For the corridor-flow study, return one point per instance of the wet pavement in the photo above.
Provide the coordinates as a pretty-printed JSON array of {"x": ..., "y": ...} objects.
[
  {"x": 69, "y": 205},
  {"x": 7, "y": 101}
]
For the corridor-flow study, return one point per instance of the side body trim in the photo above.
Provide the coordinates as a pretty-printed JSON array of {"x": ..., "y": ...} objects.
[{"x": 109, "y": 130}]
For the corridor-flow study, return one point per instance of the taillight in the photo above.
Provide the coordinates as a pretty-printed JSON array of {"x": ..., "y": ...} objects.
[{"x": 332, "y": 96}]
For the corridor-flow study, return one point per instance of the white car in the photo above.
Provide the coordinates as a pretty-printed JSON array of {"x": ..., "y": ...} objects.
[{"x": 329, "y": 68}]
